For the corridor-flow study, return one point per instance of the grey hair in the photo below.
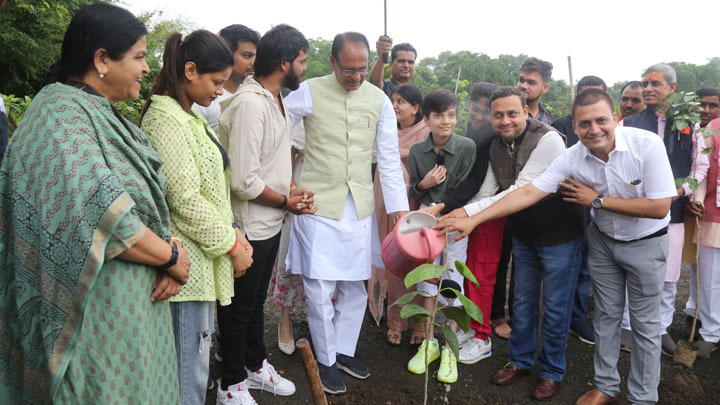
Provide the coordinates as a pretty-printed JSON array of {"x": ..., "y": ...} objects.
[{"x": 666, "y": 70}]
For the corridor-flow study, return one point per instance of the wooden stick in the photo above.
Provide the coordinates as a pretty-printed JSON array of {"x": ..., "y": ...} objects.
[{"x": 311, "y": 370}]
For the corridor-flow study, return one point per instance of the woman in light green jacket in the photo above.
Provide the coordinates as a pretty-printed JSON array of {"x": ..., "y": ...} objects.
[{"x": 198, "y": 195}]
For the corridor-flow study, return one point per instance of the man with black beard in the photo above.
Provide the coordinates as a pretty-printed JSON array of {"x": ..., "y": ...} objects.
[{"x": 256, "y": 131}]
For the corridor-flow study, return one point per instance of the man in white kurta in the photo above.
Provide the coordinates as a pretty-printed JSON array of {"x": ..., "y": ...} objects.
[{"x": 345, "y": 119}]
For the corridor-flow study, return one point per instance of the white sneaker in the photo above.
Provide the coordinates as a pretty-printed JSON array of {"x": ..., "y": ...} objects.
[
  {"x": 236, "y": 394},
  {"x": 464, "y": 337},
  {"x": 475, "y": 350},
  {"x": 269, "y": 380}
]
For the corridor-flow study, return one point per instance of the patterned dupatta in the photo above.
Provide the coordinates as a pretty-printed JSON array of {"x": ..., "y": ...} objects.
[{"x": 71, "y": 172}]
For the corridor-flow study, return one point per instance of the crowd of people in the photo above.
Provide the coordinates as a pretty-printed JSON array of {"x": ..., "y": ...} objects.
[{"x": 122, "y": 246}]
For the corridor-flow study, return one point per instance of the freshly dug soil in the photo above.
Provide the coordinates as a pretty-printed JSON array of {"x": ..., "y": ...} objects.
[{"x": 390, "y": 383}]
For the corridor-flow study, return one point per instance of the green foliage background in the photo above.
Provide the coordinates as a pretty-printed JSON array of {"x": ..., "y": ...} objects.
[{"x": 32, "y": 32}]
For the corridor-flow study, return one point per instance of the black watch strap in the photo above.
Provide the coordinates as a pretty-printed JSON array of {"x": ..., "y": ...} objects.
[
  {"x": 173, "y": 258},
  {"x": 284, "y": 203}
]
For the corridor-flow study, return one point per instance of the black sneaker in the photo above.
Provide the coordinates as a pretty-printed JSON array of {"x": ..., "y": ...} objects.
[
  {"x": 331, "y": 381},
  {"x": 583, "y": 332},
  {"x": 352, "y": 366},
  {"x": 668, "y": 345}
]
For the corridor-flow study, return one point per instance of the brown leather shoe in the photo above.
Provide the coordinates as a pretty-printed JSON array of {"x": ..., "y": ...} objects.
[
  {"x": 595, "y": 397},
  {"x": 508, "y": 374},
  {"x": 546, "y": 389}
]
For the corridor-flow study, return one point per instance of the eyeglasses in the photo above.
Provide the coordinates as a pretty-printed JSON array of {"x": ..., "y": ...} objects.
[{"x": 347, "y": 72}]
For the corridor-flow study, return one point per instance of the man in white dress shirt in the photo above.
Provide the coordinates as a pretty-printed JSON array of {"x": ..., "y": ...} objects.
[
  {"x": 346, "y": 119},
  {"x": 625, "y": 176}
]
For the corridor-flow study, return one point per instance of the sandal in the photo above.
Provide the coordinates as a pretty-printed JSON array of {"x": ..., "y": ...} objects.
[
  {"x": 501, "y": 324},
  {"x": 393, "y": 337},
  {"x": 418, "y": 335}
]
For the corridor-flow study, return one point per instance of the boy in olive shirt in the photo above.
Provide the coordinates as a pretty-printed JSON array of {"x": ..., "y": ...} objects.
[{"x": 438, "y": 165}]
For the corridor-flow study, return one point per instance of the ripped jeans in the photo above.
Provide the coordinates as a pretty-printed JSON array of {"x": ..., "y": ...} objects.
[{"x": 193, "y": 324}]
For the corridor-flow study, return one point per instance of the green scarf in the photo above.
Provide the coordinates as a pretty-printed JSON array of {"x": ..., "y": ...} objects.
[{"x": 71, "y": 171}]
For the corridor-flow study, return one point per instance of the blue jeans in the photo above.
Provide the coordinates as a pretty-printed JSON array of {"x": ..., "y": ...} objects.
[
  {"x": 582, "y": 289},
  {"x": 555, "y": 269},
  {"x": 193, "y": 324}
]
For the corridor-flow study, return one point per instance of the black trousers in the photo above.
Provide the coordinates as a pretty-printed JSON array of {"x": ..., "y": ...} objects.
[
  {"x": 499, "y": 294},
  {"x": 242, "y": 322}
]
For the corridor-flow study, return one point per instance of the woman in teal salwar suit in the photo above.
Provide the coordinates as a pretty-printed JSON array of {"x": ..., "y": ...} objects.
[{"x": 86, "y": 258}]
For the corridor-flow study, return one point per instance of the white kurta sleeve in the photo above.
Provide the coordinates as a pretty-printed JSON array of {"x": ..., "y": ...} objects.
[
  {"x": 488, "y": 189},
  {"x": 299, "y": 103},
  {"x": 548, "y": 148},
  {"x": 388, "y": 161}
]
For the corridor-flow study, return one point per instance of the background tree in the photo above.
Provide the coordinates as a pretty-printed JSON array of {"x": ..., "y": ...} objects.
[{"x": 31, "y": 36}]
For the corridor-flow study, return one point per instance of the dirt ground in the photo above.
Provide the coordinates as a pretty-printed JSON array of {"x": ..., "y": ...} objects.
[{"x": 391, "y": 383}]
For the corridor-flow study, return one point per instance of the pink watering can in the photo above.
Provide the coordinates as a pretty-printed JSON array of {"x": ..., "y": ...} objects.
[{"x": 412, "y": 242}]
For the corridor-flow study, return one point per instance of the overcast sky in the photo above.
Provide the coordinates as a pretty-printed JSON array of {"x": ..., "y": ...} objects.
[{"x": 612, "y": 39}]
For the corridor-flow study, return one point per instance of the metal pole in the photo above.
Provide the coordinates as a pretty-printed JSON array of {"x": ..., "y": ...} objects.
[
  {"x": 385, "y": 57},
  {"x": 457, "y": 81},
  {"x": 572, "y": 84}
]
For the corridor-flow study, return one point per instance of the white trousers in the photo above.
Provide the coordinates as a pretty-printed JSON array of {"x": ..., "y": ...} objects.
[
  {"x": 334, "y": 329},
  {"x": 709, "y": 312}
]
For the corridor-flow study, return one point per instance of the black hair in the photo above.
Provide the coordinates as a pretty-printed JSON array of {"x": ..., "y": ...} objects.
[
  {"x": 482, "y": 90},
  {"x": 590, "y": 81},
  {"x": 439, "y": 101},
  {"x": 507, "y": 91},
  {"x": 412, "y": 95},
  {"x": 590, "y": 97},
  {"x": 236, "y": 33},
  {"x": 340, "y": 39},
  {"x": 540, "y": 66},
  {"x": 708, "y": 92},
  {"x": 209, "y": 52},
  {"x": 97, "y": 26},
  {"x": 282, "y": 43},
  {"x": 635, "y": 84},
  {"x": 402, "y": 47}
]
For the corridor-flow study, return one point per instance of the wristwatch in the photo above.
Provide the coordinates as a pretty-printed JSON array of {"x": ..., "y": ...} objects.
[{"x": 597, "y": 202}]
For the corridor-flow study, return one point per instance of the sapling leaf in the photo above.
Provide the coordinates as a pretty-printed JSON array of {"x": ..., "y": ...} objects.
[
  {"x": 451, "y": 339},
  {"x": 413, "y": 309},
  {"x": 458, "y": 315},
  {"x": 470, "y": 308},
  {"x": 406, "y": 298},
  {"x": 680, "y": 181},
  {"x": 423, "y": 272},
  {"x": 693, "y": 183},
  {"x": 707, "y": 150},
  {"x": 465, "y": 271},
  {"x": 680, "y": 125},
  {"x": 419, "y": 319}
]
